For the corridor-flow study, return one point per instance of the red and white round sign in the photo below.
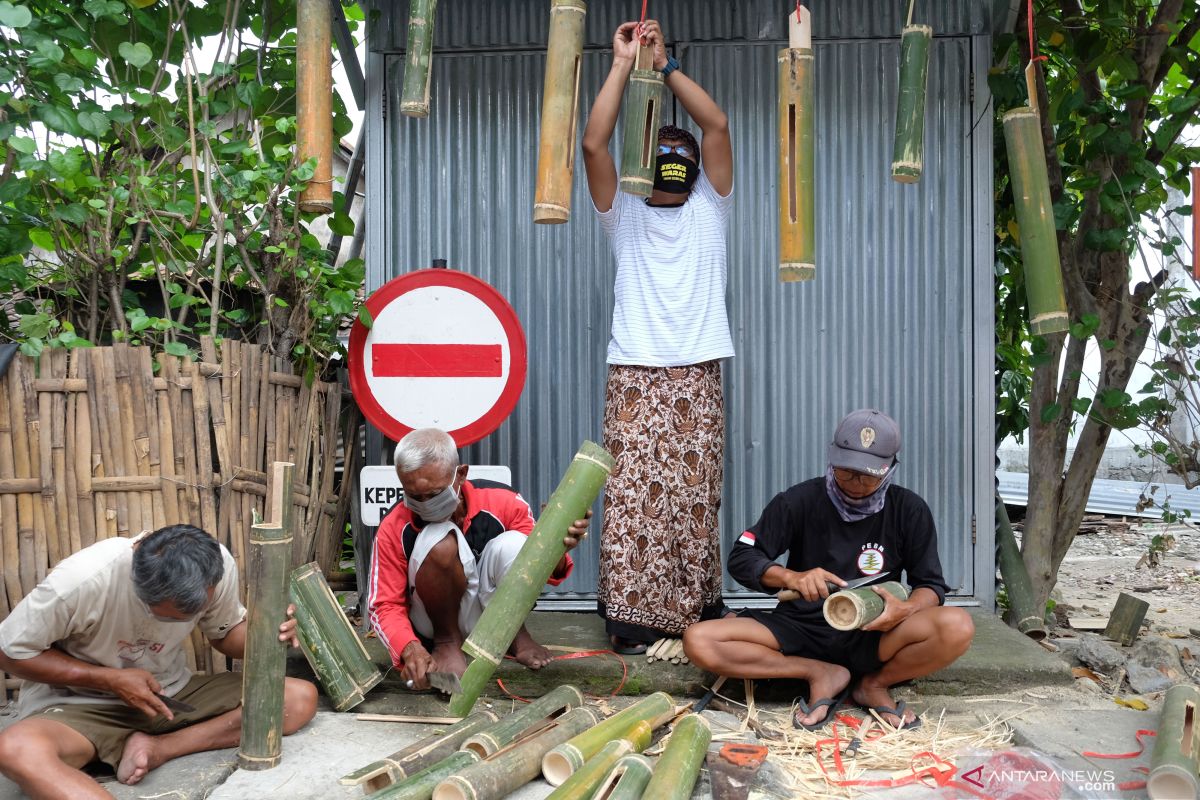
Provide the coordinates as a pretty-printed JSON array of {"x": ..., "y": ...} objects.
[{"x": 444, "y": 350}]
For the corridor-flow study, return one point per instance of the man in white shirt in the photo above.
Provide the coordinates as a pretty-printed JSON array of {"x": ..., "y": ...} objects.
[{"x": 100, "y": 643}]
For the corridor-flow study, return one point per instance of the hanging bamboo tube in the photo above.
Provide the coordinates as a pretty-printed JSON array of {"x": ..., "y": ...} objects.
[
  {"x": 583, "y": 783},
  {"x": 266, "y": 609},
  {"x": 520, "y": 587},
  {"x": 314, "y": 101},
  {"x": 679, "y": 765},
  {"x": 560, "y": 112},
  {"x": 511, "y": 769},
  {"x": 1026, "y": 617},
  {"x": 417, "y": 756},
  {"x": 418, "y": 57},
  {"x": 797, "y": 153},
  {"x": 521, "y": 723},
  {"x": 639, "y": 143},
  {"x": 908, "y": 150},
  {"x": 421, "y": 785},
  {"x": 627, "y": 780},
  {"x": 1035, "y": 218},
  {"x": 1176, "y": 755},
  {"x": 337, "y": 656},
  {"x": 850, "y": 609},
  {"x": 561, "y": 762}
]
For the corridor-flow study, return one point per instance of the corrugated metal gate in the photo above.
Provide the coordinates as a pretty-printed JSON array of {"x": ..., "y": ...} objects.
[{"x": 898, "y": 317}]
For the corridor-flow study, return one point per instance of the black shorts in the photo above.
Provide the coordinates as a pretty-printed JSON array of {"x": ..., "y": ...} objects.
[{"x": 804, "y": 636}]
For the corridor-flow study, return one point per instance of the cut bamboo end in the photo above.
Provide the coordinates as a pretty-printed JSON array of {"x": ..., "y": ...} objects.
[
  {"x": 1019, "y": 113},
  {"x": 642, "y": 187},
  {"x": 316, "y": 206},
  {"x": 561, "y": 763},
  {"x": 418, "y": 110},
  {"x": 1033, "y": 627},
  {"x": 253, "y": 763},
  {"x": 791, "y": 273},
  {"x": 917, "y": 28},
  {"x": 1053, "y": 322},
  {"x": 906, "y": 172},
  {"x": 454, "y": 788},
  {"x": 844, "y": 612},
  {"x": 1171, "y": 782},
  {"x": 547, "y": 214}
]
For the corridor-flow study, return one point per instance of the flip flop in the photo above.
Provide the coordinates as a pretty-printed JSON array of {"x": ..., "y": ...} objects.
[
  {"x": 627, "y": 647},
  {"x": 898, "y": 711},
  {"x": 805, "y": 709}
]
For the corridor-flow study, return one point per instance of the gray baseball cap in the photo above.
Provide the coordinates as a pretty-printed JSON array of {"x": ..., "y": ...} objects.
[{"x": 866, "y": 440}]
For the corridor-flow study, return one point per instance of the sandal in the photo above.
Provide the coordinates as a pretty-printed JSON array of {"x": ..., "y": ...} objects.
[{"x": 627, "y": 647}]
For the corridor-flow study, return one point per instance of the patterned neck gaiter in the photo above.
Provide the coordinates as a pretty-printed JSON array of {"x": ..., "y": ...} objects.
[{"x": 850, "y": 509}]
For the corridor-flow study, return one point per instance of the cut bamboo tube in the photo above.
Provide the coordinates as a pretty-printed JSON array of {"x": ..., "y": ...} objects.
[
  {"x": 797, "y": 154},
  {"x": 1026, "y": 617},
  {"x": 627, "y": 781},
  {"x": 850, "y": 609},
  {"x": 561, "y": 762},
  {"x": 1176, "y": 755},
  {"x": 583, "y": 783},
  {"x": 1125, "y": 621},
  {"x": 513, "y": 768},
  {"x": 639, "y": 145},
  {"x": 679, "y": 766},
  {"x": 909, "y": 146},
  {"x": 421, "y": 785},
  {"x": 418, "y": 57},
  {"x": 553, "y": 704},
  {"x": 1035, "y": 220},
  {"x": 417, "y": 756},
  {"x": 265, "y": 659},
  {"x": 560, "y": 112},
  {"x": 334, "y": 651},
  {"x": 519, "y": 588},
  {"x": 314, "y": 101}
]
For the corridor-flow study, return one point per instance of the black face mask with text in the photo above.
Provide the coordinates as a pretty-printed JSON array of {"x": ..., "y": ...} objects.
[{"x": 675, "y": 174}]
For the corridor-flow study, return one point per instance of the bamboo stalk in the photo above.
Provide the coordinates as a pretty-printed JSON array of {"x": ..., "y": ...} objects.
[
  {"x": 553, "y": 704},
  {"x": 560, "y": 112},
  {"x": 169, "y": 492},
  {"x": 909, "y": 146},
  {"x": 583, "y": 783},
  {"x": 80, "y": 431},
  {"x": 146, "y": 445},
  {"x": 1176, "y": 754},
  {"x": 327, "y": 541},
  {"x": 627, "y": 780},
  {"x": 564, "y": 760},
  {"x": 32, "y": 554},
  {"x": 265, "y": 661},
  {"x": 519, "y": 588},
  {"x": 511, "y": 769},
  {"x": 643, "y": 106},
  {"x": 421, "y": 785},
  {"x": 418, "y": 57},
  {"x": 797, "y": 159},
  {"x": 850, "y": 609},
  {"x": 679, "y": 766},
  {"x": 417, "y": 756},
  {"x": 251, "y": 377},
  {"x": 140, "y": 516},
  {"x": 50, "y": 409},
  {"x": 1026, "y": 617},
  {"x": 241, "y": 512},
  {"x": 99, "y": 413},
  {"x": 9, "y": 521},
  {"x": 1035, "y": 218},
  {"x": 314, "y": 101}
]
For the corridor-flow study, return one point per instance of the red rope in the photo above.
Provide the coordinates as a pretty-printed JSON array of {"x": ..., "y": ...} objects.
[
  {"x": 643, "y": 19},
  {"x": 572, "y": 656},
  {"x": 797, "y": 12},
  {"x": 1128, "y": 786},
  {"x": 1033, "y": 56}
]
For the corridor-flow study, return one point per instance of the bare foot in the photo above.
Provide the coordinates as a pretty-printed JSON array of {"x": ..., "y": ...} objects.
[
  {"x": 138, "y": 758},
  {"x": 872, "y": 695},
  {"x": 528, "y": 652},
  {"x": 829, "y": 682},
  {"x": 448, "y": 657}
]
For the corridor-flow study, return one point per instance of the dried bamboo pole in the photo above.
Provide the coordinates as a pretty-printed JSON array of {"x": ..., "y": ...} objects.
[
  {"x": 146, "y": 446},
  {"x": 679, "y": 766},
  {"x": 418, "y": 57},
  {"x": 797, "y": 153},
  {"x": 850, "y": 609},
  {"x": 909, "y": 146},
  {"x": 314, "y": 101},
  {"x": 9, "y": 521},
  {"x": 265, "y": 661},
  {"x": 520, "y": 587},
  {"x": 240, "y": 515},
  {"x": 204, "y": 466},
  {"x": 169, "y": 492},
  {"x": 560, "y": 112},
  {"x": 140, "y": 515},
  {"x": 32, "y": 546},
  {"x": 1035, "y": 219},
  {"x": 52, "y": 407},
  {"x": 1026, "y": 616},
  {"x": 564, "y": 760},
  {"x": 98, "y": 413},
  {"x": 64, "y": 413},
  {"x": 583, "y": 783},
  {"x": 421, "y": 785},
  {"x": 170, "y": 410},
  {"x": 511, "y": 769},
  {"x": 327, "y": 541},
  {"x": 549, "y": 706},
  {"x": 627, "y": 781},
  {"x": 417, "y": 756},
  {"x": 41, "y": 464},
  {"x": 643, "y": 105},
  {"x": 249, "y": 385},
  {"x": 79, "y": 429},
  {"x": 234, "y": 540},
  {"x": 1176, "y": 754}
]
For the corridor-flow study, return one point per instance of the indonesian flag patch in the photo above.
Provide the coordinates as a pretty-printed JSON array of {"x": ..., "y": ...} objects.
[{"x": 747, "y": 538}]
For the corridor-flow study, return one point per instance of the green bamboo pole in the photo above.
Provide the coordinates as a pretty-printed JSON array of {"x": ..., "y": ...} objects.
[
  {"x": 1035, "y": 220},
  {"x": 679, "y": 765},
  {"x": 1025, "y": 615},
  {"x": 418, "y": 755},
  {"x": 639, "y": 143},
  {"x": 314, "y": 101},
  {"x": 797, "y": 160},
  {"x": 560, "y": 112},
  {"x": 418, "y": 57},
  {"x": 421, "y": 785},
  {"x": 562, "y": 761},
  {"x": 261, "y": 745},
  {"x": 339, "y": 659},
  {"x": 1176, "y": 755},
  {"x": 850, "y": 609},
  {"x": 511, "y": 769},
  {"x": 908, "y": 150},
  {"x": 627, "y": 780},
  {"x": 496, "y": 737},
  {"x": 583, "y": 783},
  {"x": 519, "y": 588}
]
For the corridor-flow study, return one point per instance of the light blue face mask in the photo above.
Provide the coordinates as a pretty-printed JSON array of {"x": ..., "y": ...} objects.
[{"x": 438, "y": 508}]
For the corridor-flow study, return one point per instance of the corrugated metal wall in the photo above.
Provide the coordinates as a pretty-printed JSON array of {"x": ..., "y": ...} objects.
[{"x": 892, "y": 319}]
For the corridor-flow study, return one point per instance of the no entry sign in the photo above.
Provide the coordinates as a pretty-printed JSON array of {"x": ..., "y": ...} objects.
[{"x": 445, "y": 350}]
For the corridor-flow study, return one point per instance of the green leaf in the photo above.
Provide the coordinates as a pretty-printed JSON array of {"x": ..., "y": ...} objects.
[
  {"x": 32, "y": 347},
  {"x": 67, "y": 163},
  {"x": 138, "y": 54},
  {"x": 340, "y": 301},
  {"x": 178, "y": 349},
  {"x": 93, "y": 122},
  {"x": 14, "y": 189},
  {"x": 35, "y": 326},
  {"x": 1051, "y": 413},
  {"x": 364, "y": 316},
  {"x": 46, "y": 55},
  {"x": 12, "y": 16},
  {"x": 22, "y": 144},
  {"x": 42, "y": 238},
  {"x": 105, "y": 8},
  {"x": 58, "y": 119},
  {"x": 73, "y": 213},
  {"x": 1081, "y": 404},
  {"x": 68, "y": 83},
  {"x": 86, "y": 58},
  {"x": 341, "y": 224},
  {"x": 1113, "y": 398}
]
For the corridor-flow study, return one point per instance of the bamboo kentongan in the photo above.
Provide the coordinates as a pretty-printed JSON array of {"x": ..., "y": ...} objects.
[
  {"x": 1176, "y": 755},
  {"x": 797, "y": 155},
  {"x": 850, "y": 609},
  {"x": 560, "y": 112},
  {"x": 418, "y": 755},
  {"x": 908, "y": 150},
  {"x": 418, "y": 57},
  {"x": 639, "y": 143},
  {"x": 314, "y": 101},
  {"x": 499, "y": 735},
  {"x": 627, "y": 780},
  {"x": 679, "y": 765},
  {"x": 562, "y": 761}
]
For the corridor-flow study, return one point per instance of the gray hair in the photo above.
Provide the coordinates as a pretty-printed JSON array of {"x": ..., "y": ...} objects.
[
  {"x": 178, "y": 563},
  {"x": 423, "y": 447}
]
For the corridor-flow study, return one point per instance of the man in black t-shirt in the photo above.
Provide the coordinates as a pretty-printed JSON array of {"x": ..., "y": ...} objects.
[{"x": 848, "y": 524}]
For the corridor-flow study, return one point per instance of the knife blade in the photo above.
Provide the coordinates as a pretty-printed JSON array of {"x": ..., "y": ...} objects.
[
  {"x": 445, "y": 682},
  {"x": 176, "y": 705},
  {"x": 787, "y": 595}
]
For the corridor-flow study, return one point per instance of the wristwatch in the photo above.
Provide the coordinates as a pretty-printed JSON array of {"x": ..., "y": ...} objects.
[{"x": 671, "y": 66}]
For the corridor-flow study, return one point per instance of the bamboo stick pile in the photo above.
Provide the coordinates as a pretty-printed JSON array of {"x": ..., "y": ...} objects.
[{"x": 110, "y": 441}]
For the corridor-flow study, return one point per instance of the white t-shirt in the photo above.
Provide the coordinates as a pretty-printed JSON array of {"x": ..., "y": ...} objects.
[
  {"x": 671, "y": 277},
  {"x": 88, "y": 609}
]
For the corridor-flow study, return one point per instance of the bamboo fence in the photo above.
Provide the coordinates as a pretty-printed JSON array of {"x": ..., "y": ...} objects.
[{"x": 103, "y": 442}]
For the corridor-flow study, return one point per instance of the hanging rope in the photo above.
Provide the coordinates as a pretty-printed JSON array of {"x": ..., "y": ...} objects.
[
  {"x": 911, "y": 3},
  {"x": 1033, "y": 56}
]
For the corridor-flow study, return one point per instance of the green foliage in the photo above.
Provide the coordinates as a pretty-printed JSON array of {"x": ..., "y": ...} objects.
[{"x": 149, "y": 196}]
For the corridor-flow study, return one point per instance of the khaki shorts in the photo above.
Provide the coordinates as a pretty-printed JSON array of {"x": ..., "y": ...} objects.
[{"x": 108, "y": 725}]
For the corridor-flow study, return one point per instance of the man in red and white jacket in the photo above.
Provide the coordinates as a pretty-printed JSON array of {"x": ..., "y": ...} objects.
[{"x": 440, "y": 554}]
